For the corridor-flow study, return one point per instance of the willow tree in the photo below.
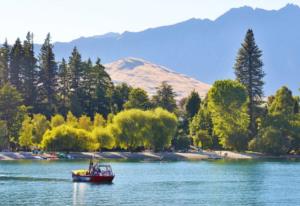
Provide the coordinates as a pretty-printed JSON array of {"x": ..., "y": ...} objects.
[{"x": 249, "y": 72}]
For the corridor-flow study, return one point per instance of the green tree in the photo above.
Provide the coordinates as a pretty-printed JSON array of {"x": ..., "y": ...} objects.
[
  {"x": 283, "y": 103},
  {"x": 26, "y": 133},
  {"x": 120, "y": 96},
  {"x": 248, "y": 71},
  {"x": 16, "y": 64},
  {"x": 47, "y": 96},
  {"x": 163, "y": 126},
  {"x": 40, "y": 126},
  {"x": 227, "y": 103},
  {"x": 279, "y": 130},
  {"x": 201, "y": 128},
  {"x": 138, "y": 99},
  {"x": 64, "y": 88},
  {"x": 130, "y": 129},
  {"x": 76, "y": 72},
  {"x": 165, "y": 97},
  {"x": 101, "y": 95},
  {"x": 4, "y": 63},
  {"x": 11, "y": 111},
  {"x": 192, "y": 104},
  {"x": 29, "y": 72},
  {"x": 4, "y": 141}
]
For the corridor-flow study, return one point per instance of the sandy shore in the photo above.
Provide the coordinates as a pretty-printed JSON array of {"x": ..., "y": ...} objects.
[{"x": 148, "y": 156}]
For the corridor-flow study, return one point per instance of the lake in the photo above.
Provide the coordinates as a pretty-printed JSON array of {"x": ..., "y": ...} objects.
[{"x": 221, "y": 182}]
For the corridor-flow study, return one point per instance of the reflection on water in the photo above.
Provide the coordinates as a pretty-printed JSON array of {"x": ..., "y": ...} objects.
[{"x": 79, "y": 189}]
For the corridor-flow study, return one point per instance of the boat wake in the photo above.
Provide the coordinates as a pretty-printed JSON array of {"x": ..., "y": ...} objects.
[{"x": 32, "y": 179}]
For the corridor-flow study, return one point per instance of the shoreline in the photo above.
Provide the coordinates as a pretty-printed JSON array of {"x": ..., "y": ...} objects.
[{"x": 150, "y": 156}]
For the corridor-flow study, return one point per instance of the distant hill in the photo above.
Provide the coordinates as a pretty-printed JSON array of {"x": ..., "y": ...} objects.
[
  {"x": 146, "y": 75},
  {"x": 206, "y": 49}
]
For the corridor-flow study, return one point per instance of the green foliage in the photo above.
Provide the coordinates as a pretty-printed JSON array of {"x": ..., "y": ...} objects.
[
  {"x": 163, "y": 126},
  {"x": 11, "y": 111},
  {"x": 248, "y": 71},
  {"x": 26, "y": 133},
  {"x": 4, "y": 141},
  {"x": 99, "y": 120},
  {"x": 15, "y": 65},
  {"x": 138, "y": 99},
  {"x": 280, "y": 129},
  {"x": 71, "y": 120},
  {"x": 270, "y": 140},
  {"x": 29, "y": 72},
  {"x": 40, "y": 126},
  {"x": 85, "y": 123},
  {"x": 227, "y": 103},
  {"x": 181, "y": 143},
  {"x": 66, "y": 138},
  {"x": 104, "y": 137},
  {"x": 201, "y": 128},
  {"x": 283, "y": 103},
  {"x": 120, "y": 96},
  {"x": 136, "y": 128},
  {"x": 57, "y": 120},
  {"x": 165, "y": 97},
  {"x": 4, "y": 63},
  {"x": 63, "y": 87},
  {"x": 47, "y": 97},
  {"x": 192, "y": 104}
]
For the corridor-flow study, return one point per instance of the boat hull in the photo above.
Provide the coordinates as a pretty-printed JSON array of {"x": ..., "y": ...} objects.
[{"x": 90, "y": 178}]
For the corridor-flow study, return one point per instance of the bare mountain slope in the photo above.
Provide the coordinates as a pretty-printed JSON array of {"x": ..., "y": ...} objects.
[{"x": 146, "y": 75}]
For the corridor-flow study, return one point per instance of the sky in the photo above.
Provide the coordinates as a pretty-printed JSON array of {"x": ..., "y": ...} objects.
[{"x": 70, "y": 19}]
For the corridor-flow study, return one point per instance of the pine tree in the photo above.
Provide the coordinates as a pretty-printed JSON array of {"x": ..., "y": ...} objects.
[
  {"x": 29, "y": 72},
  {"x": 47, "y": 79},
  {"x": 102, "y": 89},
  {"x": 16, "y": 63},
  {"x": 4, "y": 63},
  {"x": 63, "y": 88},
  {"x": 75, "y": 69},
  {"x": 165, "y": 97},
  {"x": 248, "y": 71}
]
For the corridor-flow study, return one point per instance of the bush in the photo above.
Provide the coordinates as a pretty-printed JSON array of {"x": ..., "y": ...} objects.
[{"x": 67, "y": 138}]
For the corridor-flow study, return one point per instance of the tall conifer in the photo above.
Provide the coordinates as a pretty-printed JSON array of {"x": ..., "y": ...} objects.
[
  {"x": 16, "y": 64},
  {"x": 29, "y": 72},
  {"x": 47, "y": 78},
  {"x": 248, "y": 71},
  {"x": 4, "y": 63}
]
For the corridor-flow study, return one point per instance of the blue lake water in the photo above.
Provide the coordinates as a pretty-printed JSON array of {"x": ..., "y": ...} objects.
[{"x": 158, "y": 183}]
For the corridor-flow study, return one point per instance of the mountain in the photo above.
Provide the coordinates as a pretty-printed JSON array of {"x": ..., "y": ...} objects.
[
  {"x": 206, "y": 49},
  {"x": 146, "y": 75}
]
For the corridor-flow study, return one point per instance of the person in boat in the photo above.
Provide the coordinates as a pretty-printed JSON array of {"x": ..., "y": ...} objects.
[{"x": 91, "y": 166}]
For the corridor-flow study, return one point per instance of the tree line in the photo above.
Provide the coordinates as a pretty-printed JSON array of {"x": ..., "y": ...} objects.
[{"x": 73, "y": 105}]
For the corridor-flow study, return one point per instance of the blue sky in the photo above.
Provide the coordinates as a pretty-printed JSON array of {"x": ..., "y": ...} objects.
[{"x": 70, "y": 19}]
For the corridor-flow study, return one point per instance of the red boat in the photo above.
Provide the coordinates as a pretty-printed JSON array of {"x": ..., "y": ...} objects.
[{"x": 97, "y": 173}]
